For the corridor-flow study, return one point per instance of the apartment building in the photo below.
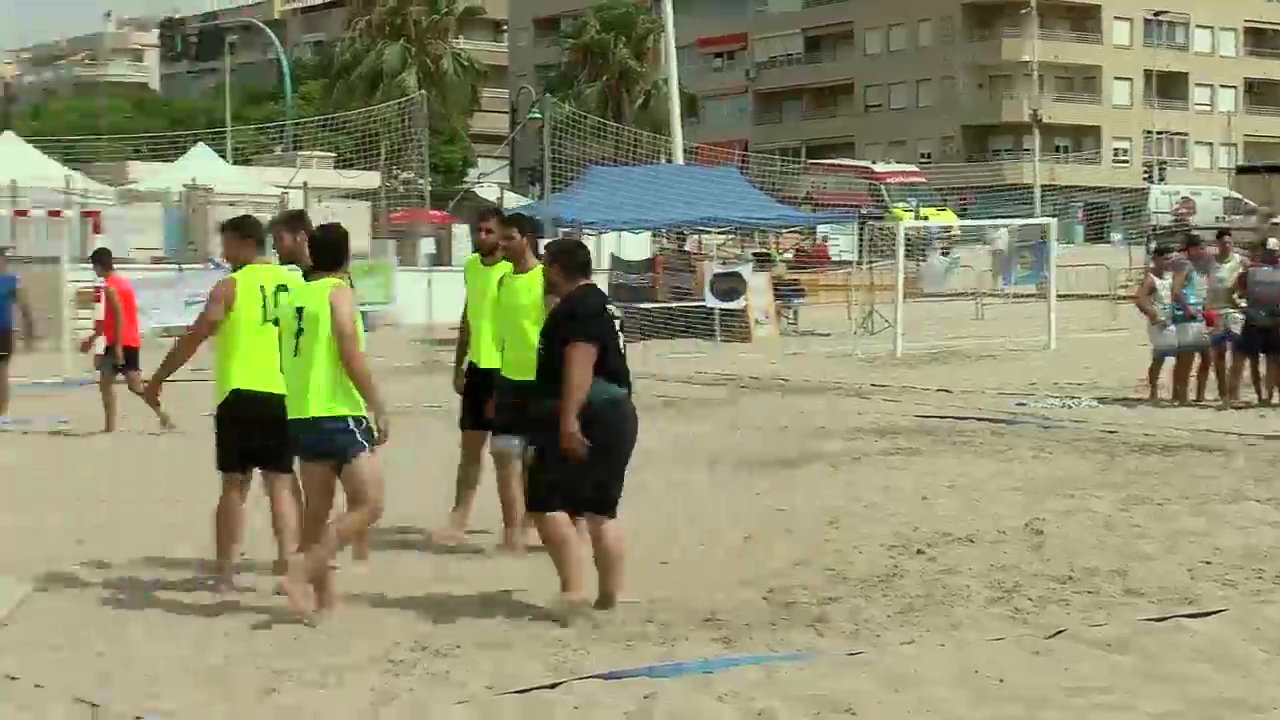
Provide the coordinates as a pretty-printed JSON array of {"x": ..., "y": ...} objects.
[
  {"x": 304, "y": 26},
  {"x": 1192, "y": 87},
  {"x": 126, "y": 50}
]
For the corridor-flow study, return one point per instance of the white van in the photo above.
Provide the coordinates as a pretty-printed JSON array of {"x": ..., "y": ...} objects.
[{"x": 1196, "y": 205}]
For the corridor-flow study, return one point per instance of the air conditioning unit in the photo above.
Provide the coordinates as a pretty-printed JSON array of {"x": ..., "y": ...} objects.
[
  {"x": 750, "y": 73},
  {"x": 302, "y": 160}
]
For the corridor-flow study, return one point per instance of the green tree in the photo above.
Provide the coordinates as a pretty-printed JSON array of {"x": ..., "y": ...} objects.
[
  {"x": 608, "y": 70},
  {"x": 394, "y": 48}
]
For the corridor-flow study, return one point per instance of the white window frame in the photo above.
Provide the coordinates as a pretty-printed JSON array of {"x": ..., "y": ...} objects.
[
  {"x": 1227, "y": 156},
  {"x": 1228, "y": 42},
  {"x": 892, "y": 146},
  {"x": 873, "y": 41},
  {"x": 924, "y": 33},
  {"x": 926, "y": 94},
  {"x": 1121, "y": 38},
  {"x": 1122, "y": 151},
  {"x": 1202, "y": 39},
  {"x": 1117, "y": 82},
  {"x": 1202, "y": 156},
  {"x": 1220, "y": 99},
  {"x": 898, "y": 89},
  {"x": 873, "y": 98},
  {"x": 874, "y": 151},
  {"x": 1202, "y": 97},
  {"x": 897, "y": 37},
  {"x": 924, "y": 151}
]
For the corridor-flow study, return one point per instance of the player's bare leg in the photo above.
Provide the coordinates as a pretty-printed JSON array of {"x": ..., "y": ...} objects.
[
  {"x": 609, "y": 551},
  {"x": 1222, "y": 370},
  {"x": 1153, "y": 377},
  {"x": 4, "y": 387},
  {"x": 1182, "y": 366},
  {"x": 286, "y": 515},
  {"x": 560, "y": 538},
  {"x": 319, "y": 483},
  {"x": 228, "y": 524},
  {"x": 133, "y": 380},
  {"x": 470, "y": 458},
  {"x": 107, "y": 389},
  {"x": 510, "y": 479},
  {"x": 1204, "y": 368}
]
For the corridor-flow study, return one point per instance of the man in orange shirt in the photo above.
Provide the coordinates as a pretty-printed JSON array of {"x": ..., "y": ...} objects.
[{"x": 120, "y": 328}]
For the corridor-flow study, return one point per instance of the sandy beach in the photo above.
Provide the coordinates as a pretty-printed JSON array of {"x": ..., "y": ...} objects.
[{"x": 787, "y": 497}]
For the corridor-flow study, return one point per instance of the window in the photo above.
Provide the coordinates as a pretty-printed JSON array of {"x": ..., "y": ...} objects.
[
  {"x": 873, "y": 98},
  {"x": 897, "y": 37},
  {"x": 924, "y": 93},
  {"x": 897, "y": 151},
  {"x": 1121, "y": 151},
  {"x": 897, "y": 96},
  {"x": 1165, "y": 145},
  {"x": 1121, "y": 92},
  {"x": 924, "y": 33},
  {"x": 948, "y": 145},
  {"x": 1122, "y": 32},
  {"x": 1061, "y": 145},
  {"x": 1227, "y": 42},
  {"x": 1162, "y": 33},
  {"x": 1227, "y": 156},
  {"x": 948, "y": 86},
  {"x": 1202, "y": 40},
  {"x": 873, "y": 41},
  {"x": 1202, "y": 97},
  {"x": 1202, "y": 156},
  {"x": 721, "y": 60},
  {"x": 1227, "y": 101},
  {"x": 924, "y": 151},
  {"x": 948, "y": 32},
  {"x": 873, "y": 151}
]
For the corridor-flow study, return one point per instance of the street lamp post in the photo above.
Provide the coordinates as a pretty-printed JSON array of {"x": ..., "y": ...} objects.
[
  {"x": 228, "y": 46},
  {"x": 286, "y": 72},
  {"x": 1037, "y": 190}
]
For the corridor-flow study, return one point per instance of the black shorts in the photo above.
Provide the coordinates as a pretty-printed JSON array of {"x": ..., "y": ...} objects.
[
  {"x": 592, "y": 486},
  {"x": 1257, "y": 340},
  {"x": 478, "y": 386},
  {"x": 334, "y": 441},
  {"x": 514, "y": 407},
  {"x": 251, "y": 432},
  {"x": 107, "y": 361},
  {"x": 6, "y": 343}
]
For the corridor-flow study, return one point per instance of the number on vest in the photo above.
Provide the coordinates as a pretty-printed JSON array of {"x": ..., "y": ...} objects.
[
  {"x": 270, "y": 314},
  {"x": 297, "y": 333}
]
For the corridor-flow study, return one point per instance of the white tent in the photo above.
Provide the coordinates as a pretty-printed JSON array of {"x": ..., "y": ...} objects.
[
  {"x": 500, "y": 196},
  {"x": 41, "y": 180},
  {"x": 201, "y": 165}
]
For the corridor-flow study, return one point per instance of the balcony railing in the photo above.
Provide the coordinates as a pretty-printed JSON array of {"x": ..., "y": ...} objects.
[
  {"x": 774, "y": 117},
  {"x": 1262, "y": 110},
  {"x": 480, "y": 45},
  {"x": 1069, "y": 98},
  {"x": 1166, "y": 44},
  {"x": 815, "y": 57},
  {"x": 1268, "y": 53},
  {"x": 1089, "y": 157},
  {"x": 1159, "y": 103},
  {"x": 763, "y": 5},
  {"x": 1045, "y": 34}
]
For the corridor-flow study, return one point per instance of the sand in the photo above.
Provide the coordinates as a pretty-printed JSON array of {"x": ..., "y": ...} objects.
[{"x": 785, "y": 496}]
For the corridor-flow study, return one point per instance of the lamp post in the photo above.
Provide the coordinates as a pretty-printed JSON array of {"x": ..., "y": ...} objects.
[
  {"x": 532, "y": 117},
  {"x": 228, "y": 46},
  {"x": 286, "y": 72},
  {"x": 1037, "y": 190},
  {"x": 674, "y": 112}
]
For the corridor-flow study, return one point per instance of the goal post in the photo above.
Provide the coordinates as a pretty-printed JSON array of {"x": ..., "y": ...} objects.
[{"x": 1007, "y": 265}]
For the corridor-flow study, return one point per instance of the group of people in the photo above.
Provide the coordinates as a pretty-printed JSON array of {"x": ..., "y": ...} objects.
[{"x": 1215, "y": 307}]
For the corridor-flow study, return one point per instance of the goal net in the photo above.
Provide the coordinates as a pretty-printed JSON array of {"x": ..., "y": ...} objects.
[{"x": 156, "y": 200}]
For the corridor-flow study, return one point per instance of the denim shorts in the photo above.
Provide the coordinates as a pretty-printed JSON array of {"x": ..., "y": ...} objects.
[{"x": 332, "y": 440}]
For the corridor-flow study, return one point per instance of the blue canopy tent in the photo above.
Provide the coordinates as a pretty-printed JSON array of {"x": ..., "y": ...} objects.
[{"x": 654, "y": 197}]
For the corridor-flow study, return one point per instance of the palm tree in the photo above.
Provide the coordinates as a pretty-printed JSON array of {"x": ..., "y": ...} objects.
[
  {"x": 608, "y": 71},
  {"x": 394, "y": 48}
]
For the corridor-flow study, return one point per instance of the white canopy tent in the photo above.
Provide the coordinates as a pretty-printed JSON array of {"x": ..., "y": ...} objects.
[
  {"x": 33, "y": 179},
  {"x": 202, "y": 166}
]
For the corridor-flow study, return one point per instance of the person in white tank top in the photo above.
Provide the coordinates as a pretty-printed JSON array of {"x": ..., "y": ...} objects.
[
  {"x": 1154, "y": 299},
  {"x": 1222, "y": 299}
]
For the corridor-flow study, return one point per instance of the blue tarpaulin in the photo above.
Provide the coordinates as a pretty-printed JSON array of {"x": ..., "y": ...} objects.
[{"x": 653, "y": 197}]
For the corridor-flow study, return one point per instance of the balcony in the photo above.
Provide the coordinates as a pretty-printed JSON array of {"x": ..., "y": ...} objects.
[
  {"x": 113, "y": 71},
  {"x": 709, "y": 73},
  {"x": 777, "y": 16},
  {"x": 1066, "y": 108},
  {"x": 495, "y": 99},
  {"x": 489, "y": 53},
  {"x": 1013, "y": 45},
  {"x": 1167, "y": 31},
  {"x": 1261, "y": 42},
  {"x": 1165, "y": 90},
  {"x": 489, "y": 123},
  {"x": 1014, "y": 167},
  {"x": 820, "y": 67},
  {"x": 795, "y": 124}
]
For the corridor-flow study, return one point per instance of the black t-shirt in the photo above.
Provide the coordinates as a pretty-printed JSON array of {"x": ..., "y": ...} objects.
[{"x": 584, "y": 315}]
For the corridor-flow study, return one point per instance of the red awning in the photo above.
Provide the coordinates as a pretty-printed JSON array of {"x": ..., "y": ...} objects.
[
  {"x": 420, "y": 216},
  {"x": 721, "y": 43}
]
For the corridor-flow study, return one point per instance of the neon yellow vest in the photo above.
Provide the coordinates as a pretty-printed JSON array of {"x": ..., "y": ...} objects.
[
  {"x": 518, "y": 315},
  {"x": 317, "y": 385},
  {"x": 482, "y": 289},
  {"x": 247, "y": 346}
]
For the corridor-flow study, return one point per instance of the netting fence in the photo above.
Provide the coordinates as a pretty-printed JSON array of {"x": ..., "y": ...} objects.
[
  {"x": 157, "y": 200},
  {"x": 977, "y": 277}
]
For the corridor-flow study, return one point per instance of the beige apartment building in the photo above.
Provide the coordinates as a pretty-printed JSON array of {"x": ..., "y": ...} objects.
[
  {"x": 305, "y": 25},
  {"x": 1193, "y": 87},
  {"x": 126, "y": 50}
]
